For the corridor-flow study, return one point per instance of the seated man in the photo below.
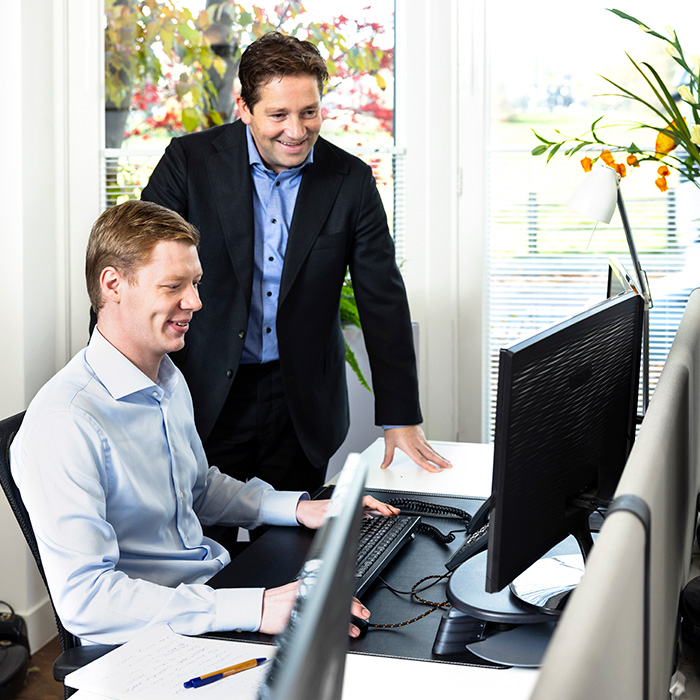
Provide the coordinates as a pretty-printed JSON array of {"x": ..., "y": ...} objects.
[{"x": 112, "y": 470}]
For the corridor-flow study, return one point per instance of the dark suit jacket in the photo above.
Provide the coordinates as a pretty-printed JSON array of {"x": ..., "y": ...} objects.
[{"x": 338, "y": 221}]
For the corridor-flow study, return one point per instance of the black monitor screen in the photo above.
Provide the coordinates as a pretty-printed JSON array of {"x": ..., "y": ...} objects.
[
  {"x": 310, "y": 658},
  {"x": 565, "y": 423}
]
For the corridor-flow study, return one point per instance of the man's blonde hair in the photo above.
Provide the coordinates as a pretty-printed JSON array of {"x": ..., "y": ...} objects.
[{"x": 124, "y": 236}]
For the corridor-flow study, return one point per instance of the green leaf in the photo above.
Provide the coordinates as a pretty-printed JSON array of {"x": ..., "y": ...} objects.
[
  {"x": 190, "y": 118},
  {"x": 575, "y": 149},
  {"x": 539, "y": 150},
  {"x": 189, "y": 33},
  {"x": 541, "y": 138},
  {"x": 553, "y": 151},
  {"x": 352, "y": 361},
  {"x": 624, "y": 15}
]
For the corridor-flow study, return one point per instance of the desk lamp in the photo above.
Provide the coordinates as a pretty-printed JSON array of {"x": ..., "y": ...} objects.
[{"x": 595, "y": 198}]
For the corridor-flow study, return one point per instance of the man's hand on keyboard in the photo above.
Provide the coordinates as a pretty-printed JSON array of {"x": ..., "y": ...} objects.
[
  {"x": 278, "y": 603},
  {"x": 375, "y": 507},
  {"x": 311, "y": 514}
]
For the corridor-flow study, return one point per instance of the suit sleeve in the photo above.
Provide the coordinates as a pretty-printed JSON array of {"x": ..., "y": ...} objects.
[{"x": 384, "y": 313}]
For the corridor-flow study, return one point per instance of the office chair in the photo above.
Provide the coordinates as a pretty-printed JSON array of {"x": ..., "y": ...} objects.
[{"x": 73, "y": 656}]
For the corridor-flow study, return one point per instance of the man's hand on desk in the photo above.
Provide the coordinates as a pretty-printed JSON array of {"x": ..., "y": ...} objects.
[
  {"x": 411, "y": 440},
  {"x": 311, "y": 514},
  {"x": 278, "y": 604}
]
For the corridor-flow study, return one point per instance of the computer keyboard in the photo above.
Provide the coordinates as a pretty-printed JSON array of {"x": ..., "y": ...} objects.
[{"x": 381, "y": 537}]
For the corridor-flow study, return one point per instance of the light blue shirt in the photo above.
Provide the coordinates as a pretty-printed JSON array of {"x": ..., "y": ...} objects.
[
  {"x": 274, "y": 197},
  {"x": 116, "y": 482}
]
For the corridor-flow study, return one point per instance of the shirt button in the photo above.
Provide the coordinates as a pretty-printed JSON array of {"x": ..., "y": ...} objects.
[
  {"x": 155, "y": 393},
  {"x": 269, "y": 330},
  {"x": 269, "y": 294},
  {"x": 277, "y": 184},
  {"x": 274, "y": 221},
  {"x": 271, "y": 259},
  {"x": 182, "y": 495}
]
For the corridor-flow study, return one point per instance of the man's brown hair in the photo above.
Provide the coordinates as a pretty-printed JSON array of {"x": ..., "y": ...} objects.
[
  {"x": 123, "y": 237},
  {"x": 275, "y": 55}
]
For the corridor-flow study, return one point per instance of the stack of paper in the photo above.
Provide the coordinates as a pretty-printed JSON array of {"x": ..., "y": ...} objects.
[{"x": 155, "y": 665}]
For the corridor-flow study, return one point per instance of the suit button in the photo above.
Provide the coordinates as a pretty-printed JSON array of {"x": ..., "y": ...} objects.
[
  {"x": 229, "y": 373},
  {"x": 241, "y": 334}
]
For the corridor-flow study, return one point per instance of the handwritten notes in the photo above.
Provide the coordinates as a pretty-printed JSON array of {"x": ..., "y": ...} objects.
[{"x": 155, "y": 664}]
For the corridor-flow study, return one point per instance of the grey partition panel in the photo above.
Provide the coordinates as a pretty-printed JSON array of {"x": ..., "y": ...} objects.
[{"x": 597, "y": 649}]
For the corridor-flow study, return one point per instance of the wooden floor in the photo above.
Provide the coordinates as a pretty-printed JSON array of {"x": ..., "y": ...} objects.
[{"x": 40, "y": 684}]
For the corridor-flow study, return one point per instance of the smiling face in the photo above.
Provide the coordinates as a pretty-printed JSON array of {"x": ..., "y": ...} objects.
[
  {"x": 285, "y": 121},
  {"x": 148, "y": 317}
]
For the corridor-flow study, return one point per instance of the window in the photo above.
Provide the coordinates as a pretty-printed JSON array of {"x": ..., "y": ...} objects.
[
  {"x": 172, "y": 69},
  {"x": 544, "y": 264}
]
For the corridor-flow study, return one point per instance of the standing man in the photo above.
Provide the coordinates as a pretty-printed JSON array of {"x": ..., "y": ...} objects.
[{"x": 283, "y": 214}]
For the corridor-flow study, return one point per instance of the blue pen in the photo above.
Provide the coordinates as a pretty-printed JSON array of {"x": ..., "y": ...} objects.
[{"x": 218, "y": 675}]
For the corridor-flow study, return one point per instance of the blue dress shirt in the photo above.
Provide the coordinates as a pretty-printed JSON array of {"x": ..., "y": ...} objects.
[
  {"x": 115, "y": 479},
  {"x": 274, "y": 197}
]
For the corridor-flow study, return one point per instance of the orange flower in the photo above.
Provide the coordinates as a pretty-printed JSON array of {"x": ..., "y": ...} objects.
[
  {"x": 663, "y": 171},
  {"x": 607, "y": 158},
  {"x": 661, "y": 183},
  {"x": 632, "y": 161},
  {"x": 621, "y": 169},
  {"x": 586, "y": 164},
  {"x": 665, "y": 142}
]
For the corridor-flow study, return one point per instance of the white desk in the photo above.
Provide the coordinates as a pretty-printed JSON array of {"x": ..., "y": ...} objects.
[
  {"x": 378, "y": 676},
  {"x": 469, "y": 477}
]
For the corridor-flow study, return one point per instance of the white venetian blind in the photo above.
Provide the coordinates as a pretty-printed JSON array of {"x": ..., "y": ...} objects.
[{"x": 542, "y": 268}]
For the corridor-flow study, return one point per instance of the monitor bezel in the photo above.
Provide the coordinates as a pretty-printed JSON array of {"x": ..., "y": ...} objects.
[{"x": 569, "y": 518}]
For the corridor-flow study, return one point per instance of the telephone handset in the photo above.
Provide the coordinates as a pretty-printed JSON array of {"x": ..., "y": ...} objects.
[
  {"x": 477, "y": 533},
  {"x": 477, "y": 537},
  {"x": 412, "y": 506}
]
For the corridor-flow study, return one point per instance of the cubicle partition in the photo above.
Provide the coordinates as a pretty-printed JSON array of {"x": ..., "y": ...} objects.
[{"x": 598, "y": 647}]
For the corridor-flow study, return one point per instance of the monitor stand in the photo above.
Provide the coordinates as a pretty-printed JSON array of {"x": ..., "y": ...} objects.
[{"x": 511, "y": 631}]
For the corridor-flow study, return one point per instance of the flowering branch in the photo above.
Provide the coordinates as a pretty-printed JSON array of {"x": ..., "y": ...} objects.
[{"x": 674, "y": 131}]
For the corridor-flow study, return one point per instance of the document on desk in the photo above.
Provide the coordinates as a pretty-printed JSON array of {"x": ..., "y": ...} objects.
[{"x": 155, "y": 665}]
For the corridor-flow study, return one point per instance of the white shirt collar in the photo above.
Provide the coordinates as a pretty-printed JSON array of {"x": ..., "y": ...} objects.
[{"x": 119, "y": 375}]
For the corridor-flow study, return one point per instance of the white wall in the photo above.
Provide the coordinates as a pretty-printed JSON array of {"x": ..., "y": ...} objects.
[
  {"x": 440, "y": 120},
  {"x": 38, "y": 271}
]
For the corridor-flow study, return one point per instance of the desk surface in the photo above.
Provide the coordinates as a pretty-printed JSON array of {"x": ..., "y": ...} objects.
[{"x": 470, "y": 476}]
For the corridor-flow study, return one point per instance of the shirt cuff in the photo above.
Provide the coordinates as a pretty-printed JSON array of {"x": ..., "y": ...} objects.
[
  {"x": 280, "y": 507},
  {"x": 239, "y": 609}
]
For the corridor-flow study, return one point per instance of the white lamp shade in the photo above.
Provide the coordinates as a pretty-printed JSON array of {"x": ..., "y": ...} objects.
[{"x": 596, "y": 196}]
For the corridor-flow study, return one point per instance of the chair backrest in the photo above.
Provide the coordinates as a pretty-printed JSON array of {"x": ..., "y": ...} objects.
[{"x": 8, "y": 429}]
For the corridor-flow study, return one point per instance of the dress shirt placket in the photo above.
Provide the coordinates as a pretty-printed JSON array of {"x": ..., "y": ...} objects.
[
  {"x": 274, "y": 247},
  {"x": 163, "y": 402}
]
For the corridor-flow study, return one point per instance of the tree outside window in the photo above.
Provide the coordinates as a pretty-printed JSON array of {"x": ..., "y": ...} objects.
[{"x": 171, "y": 67}]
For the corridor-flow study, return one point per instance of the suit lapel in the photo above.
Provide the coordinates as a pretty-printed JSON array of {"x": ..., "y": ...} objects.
[
  {"x": 230, "y": 181},
  {"x": 317, "y": 193}
]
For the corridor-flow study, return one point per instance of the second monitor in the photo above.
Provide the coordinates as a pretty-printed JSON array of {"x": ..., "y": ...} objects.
[{"x": 565, "y": 423}]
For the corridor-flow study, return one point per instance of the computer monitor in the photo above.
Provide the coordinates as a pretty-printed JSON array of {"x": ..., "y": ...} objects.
[
  {"x": 565, "y": 424},
  {"x": 619, "y": 280},
  {"x": 310, "y": 658}
]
